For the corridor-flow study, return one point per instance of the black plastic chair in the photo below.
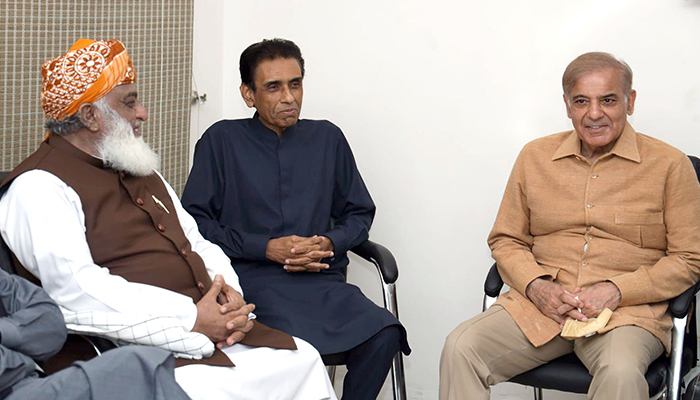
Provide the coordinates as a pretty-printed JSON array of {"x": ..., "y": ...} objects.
[
  {"x": 664, "y": 375},
  {"x": 568, "y": 374},
  {"x": 385, "y": 263}
]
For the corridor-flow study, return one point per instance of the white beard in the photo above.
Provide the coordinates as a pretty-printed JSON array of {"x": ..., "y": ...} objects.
[{"x": 120, "y": 150}]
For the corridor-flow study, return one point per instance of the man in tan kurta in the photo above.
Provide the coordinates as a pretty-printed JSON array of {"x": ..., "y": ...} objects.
[{"x": 594, "y": 218}]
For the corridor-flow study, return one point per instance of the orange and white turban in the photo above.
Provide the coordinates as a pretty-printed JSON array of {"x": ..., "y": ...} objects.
[{"x": 85, "y": 74}]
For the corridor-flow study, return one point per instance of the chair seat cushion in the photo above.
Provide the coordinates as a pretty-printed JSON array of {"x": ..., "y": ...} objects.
[{"x": 568, "y": 374}]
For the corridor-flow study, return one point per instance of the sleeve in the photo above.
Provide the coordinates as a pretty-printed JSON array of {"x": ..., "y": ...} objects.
[
  {"x": 215, "y": 260},
  {"x": 14, "y": 366},
  {"x": 164, "y": 332},
  {"x": 34, "y": 325},
  {"x": 42, "y": 222},
  {"x": 203, "y": 199},
  {"x": 353, "y": 209},
  {"x": 33, "y": 328},
  {"x": 680, "y": 268},
  {"x": 510, "y": 239}
]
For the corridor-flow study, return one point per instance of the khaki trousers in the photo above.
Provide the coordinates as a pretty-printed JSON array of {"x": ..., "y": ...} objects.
[{"x": 490, "y": 348}]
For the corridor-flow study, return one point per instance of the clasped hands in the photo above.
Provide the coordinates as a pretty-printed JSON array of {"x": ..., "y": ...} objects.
[
  {"x": 559, "y": 304},
  {"x": 226, "y": 323},
  {"x": 300, "y": 254}
]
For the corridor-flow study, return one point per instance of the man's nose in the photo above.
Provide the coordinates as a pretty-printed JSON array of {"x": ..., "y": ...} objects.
[
  {"x": 595, "y": 111},
  {"x": 287, "y": 95},
  {"x": 141, "y": 112}
]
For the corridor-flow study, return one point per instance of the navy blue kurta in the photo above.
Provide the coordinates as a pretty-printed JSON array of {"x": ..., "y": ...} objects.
[{"x": 247, "y": 186}]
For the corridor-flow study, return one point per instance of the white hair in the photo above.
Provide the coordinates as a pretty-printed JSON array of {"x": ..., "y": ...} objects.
[{"x": 120, "y": 149}]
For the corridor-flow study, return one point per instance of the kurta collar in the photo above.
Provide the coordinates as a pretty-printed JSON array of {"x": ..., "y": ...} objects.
[
  {"x": 64, "y": 146},
  {"x": 268, "y": 135},
  {"x": 625, "y": 147}
]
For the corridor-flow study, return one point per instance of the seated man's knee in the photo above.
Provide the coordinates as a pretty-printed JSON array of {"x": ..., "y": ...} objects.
[
  {"x": 620, "y": 370},
  {"x": 132, "y": 356},
  {"x": 463, "y": 342},
  {"x": 391, "y": 337},
  {"x": 384, "y": 343}
]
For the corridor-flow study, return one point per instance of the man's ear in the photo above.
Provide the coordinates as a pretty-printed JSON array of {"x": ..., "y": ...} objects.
[
  {"x": 248, "y": 95},
  {"x": 87, "y": 114},
  {"x": 630, "y": 102},
  {"x": 568, "y": 106}
]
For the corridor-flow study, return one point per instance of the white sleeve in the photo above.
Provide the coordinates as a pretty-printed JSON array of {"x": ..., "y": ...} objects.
[
  {"x": 216, "y": 261},
  {"x": 164, "y": 332},
  {"x": 42, "y": 222}
]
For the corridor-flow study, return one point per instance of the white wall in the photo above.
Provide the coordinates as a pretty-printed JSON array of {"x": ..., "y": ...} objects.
[{"x": 436, "y": 99}]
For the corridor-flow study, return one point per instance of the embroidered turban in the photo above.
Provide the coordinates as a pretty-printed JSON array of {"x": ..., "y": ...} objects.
[{"x": 86, "y": 73}]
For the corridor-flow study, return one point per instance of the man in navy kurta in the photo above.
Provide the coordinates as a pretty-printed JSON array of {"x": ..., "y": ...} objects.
[{"x": 285, "y": 201}]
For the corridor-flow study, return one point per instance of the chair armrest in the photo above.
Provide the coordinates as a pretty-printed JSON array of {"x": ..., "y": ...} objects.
[
  {"x": 494, "y": 283},
  {"x": 99, "y": 344},
  {"x": 381, "y": 257},
  {"x": 680, "y": 305}
]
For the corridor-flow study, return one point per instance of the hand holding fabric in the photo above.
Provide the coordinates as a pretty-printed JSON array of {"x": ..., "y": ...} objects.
[
  {"x": 598, "y": 297},
  {"x": 552, "y": 299}
]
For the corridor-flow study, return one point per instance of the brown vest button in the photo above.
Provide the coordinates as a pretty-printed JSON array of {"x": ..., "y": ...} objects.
[
  {"x": 161, "y": 228},
  {"x": 139, "y": 201},
  {"x": 183, "y": 252},
  {"x": 200, "y": 285},
  {"x": 122, "y": 175}
]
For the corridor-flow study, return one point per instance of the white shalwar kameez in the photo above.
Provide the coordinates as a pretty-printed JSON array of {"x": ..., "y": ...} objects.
[{"x": 42, "y": 222}]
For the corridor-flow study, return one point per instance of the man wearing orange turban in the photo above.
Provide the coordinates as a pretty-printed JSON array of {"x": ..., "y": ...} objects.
[
  {"x": 89, "y": 70},
  {"x": 115, "y": 242}
]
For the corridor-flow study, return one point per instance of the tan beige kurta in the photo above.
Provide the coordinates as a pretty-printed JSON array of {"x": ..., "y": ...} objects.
[{"x": 632, "y": 217}]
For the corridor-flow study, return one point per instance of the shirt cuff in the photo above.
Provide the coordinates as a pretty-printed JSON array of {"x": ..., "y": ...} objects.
[
  {"x": 339, "y": 247},
  {"x": 633, "y": 288},
  {"x": 189, "y": 317},
  {"x": 255, "y": 246}
]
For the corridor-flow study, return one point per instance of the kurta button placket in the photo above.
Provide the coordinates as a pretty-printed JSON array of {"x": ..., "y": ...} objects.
[
  {"x": 594, "y": 176},
  {"x": 161, "y": 228},
  {"x": 590, "y": 205}
]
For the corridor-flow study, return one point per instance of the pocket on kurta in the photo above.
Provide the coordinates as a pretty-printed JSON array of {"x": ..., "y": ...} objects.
[
  {"x": 644, "y": 229},
  {"x": 652, "y": 218}
]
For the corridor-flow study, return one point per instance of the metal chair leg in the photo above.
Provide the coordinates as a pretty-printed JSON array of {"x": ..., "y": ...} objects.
[
  {"x": 397, "y": 373},
  {"x": 331, "y": 373},
  {"x": 398, "y": 379},
  {"x": 674, "y": 378},
  {"x": 538, "y": 394}
]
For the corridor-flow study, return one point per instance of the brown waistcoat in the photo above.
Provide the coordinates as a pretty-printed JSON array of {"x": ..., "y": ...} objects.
[{"x": 133, "y": 230}]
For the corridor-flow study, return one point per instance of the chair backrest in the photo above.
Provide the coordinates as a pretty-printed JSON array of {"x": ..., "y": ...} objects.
[
  {"x": 690, "y": 342},
  {"x": 696, "y": 164},
  {"x": 6, "y": 262},
  {"x": 691, "y": 337}
]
